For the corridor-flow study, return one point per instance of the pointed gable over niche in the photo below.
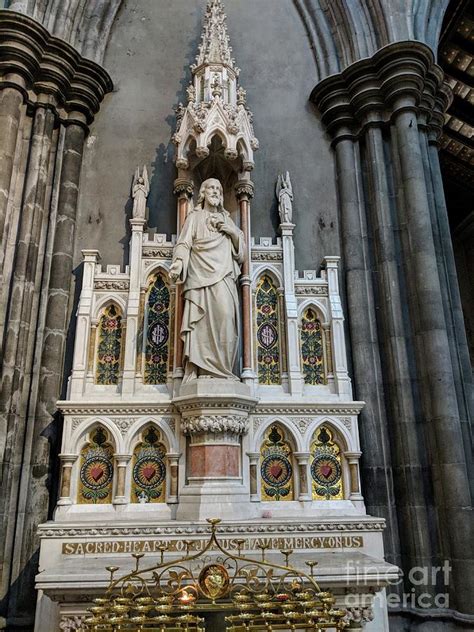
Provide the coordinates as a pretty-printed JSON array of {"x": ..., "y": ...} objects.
[{"x": 216, "y": 103}]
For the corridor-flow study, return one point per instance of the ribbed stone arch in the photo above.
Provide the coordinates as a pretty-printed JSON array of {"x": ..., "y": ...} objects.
[
  {"x": 342, "y": 32},
  {"x": 85, "y": 24}
]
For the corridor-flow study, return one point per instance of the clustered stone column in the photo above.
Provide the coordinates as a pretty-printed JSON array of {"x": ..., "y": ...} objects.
[
  {"x": 410, "y": 359},
  {"x": 48, "y": 97}
]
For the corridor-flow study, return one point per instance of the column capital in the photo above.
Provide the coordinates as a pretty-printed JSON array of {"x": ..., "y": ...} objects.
[
  {"x": 91, "y": 255},
  {"x": 68, "y": 459},
  {"x": 137, "y": 224},
  {"x": 183, "y": 188},
  {"x": 400, "y": 76},
  {"x": 244, "y": 189}
]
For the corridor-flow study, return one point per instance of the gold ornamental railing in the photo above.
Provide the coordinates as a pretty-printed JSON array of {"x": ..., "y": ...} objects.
[{"x": 173, "y": 595}]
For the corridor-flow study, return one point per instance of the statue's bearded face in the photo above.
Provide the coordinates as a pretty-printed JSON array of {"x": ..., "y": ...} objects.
[{"x": 213, "y": 193}]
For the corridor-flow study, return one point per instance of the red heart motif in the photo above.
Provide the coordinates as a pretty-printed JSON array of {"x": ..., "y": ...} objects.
[
  {"x": 326, "y": 470},
  {"x": 149, "y": 472},
  {"x": 276, "y": 470},
  {"x": 96, "y": 472}
]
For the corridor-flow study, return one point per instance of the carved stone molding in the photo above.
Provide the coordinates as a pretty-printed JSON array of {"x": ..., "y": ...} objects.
[
  {"x": 314, "y": 290},
  {"x": 289, "y": 409},
  {"x": 267, "y": 256},
  {"x": 215, "y": 424},
  {"x": 114, "y": 408},
  {"x": 366, "y": 525},
  {"x": 125, "y": 423},
  {"x": 111, "y": 285},
  {"x": 158, "y": 253}
]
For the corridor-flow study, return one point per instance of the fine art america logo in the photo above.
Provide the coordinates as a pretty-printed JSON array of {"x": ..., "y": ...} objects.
[{"x": 422, "y": 588}]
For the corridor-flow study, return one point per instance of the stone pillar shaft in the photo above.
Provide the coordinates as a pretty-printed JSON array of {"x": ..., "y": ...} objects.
[
  {"x": 399, "y": 393},
  {"x": 304, "y": 483},
  {"x": 254, "y": 459},
  {"x": 439, "y": 398},
  {"x": 21, "y": 329},
  {"x": 368, "y": 380},
  {"x": 121, "y": 462},
  {"x": 67, "y": 462},
  {"x": 133, "y": 306},
  {"x": 173, "y": 463},
  {"x": 11, "y": 106},
  {"x": 460, "y": 358},
  {"x": 34, "y": 482}
]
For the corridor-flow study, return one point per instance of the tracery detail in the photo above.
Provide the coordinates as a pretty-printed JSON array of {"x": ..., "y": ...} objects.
[
  {"x": 268, "y": 341},
  {"x": 149, "y": 469},
  {"x": 326, "y": 466},
  {"x": 157, "y": 332},
  {"x": 96, "y": 469},
  {"x": 276, "y": 467},
  {"x": 109, "y": 346},
  {"x": 312, "y": 348}
]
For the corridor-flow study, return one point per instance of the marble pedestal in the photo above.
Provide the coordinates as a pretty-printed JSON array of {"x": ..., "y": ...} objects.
[{"x": 214, "y": 417}]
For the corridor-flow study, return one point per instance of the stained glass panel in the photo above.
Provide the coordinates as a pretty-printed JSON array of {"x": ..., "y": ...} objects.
[
  {"x": 157, "y": 334},
  {"x": 109, "y": 346},
  {"x": 97, "y": 469},
  {"x": 312, "y": 350},
  {"x": 268, "y": 343},
  {"x": 149, "y": 469},
  {"x": 276, "y": 469},
  {"x": 326, "y": 466}
]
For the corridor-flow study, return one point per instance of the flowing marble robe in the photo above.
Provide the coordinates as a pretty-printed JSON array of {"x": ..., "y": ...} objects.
[{"x": 211, "y": 267}]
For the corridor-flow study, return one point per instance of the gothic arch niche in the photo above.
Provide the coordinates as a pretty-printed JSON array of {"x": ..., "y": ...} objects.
[
  {"x": 148, "y": 471},
  {"x": 108, "y": 354},
  {"x": 314, "y": 364},
  {"x": 276, "y": 465},
  {"x": 268, "y": 332},
  {"x": 218, "y": 164},
  {"x": 156, "y": 331},
  {"x": 327, "y": 467},
  {"x": 96, "y": 468}
]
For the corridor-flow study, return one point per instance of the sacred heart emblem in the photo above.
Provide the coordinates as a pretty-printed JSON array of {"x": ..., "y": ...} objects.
[
  {"x": 276, "y": 470},
  {"x": 326, "y": 470},
  {"x": 214, "y": 581},
  {"x": 97, "y": 472},
  {"x": 149, "y": 472}
]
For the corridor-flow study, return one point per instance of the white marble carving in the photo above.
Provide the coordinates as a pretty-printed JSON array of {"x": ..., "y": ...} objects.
[
  {"x": 206, "y": 262},
  {"x": 284, "y": 193},
  {"x": 214, "y": 423},
  {"x": 140, "y": 190}
]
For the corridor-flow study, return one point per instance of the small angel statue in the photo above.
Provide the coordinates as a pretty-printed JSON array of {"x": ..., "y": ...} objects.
[
  {"x": 284, "y": 193},
  {"x": 140, "y": 190}
]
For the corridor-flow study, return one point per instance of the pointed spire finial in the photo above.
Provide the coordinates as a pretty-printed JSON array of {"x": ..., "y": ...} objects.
[{"x": 215, "y": 45}]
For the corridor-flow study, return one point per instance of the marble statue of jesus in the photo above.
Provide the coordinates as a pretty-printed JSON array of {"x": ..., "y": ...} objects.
[{"x": 206, "y": 261}]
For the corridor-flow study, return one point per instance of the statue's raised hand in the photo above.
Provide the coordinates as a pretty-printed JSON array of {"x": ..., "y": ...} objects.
[
  {"x": 175, "y": 270},
  {"x": 227, "y": 229}
]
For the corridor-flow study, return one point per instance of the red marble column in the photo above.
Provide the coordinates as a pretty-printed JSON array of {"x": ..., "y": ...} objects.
[{"x": 244, "y": 191}]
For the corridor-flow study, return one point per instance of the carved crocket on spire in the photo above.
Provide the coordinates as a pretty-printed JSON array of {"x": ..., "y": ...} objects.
[
  {"x": 216, "y": 103},
  {"x": 215, "y": 45}
]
